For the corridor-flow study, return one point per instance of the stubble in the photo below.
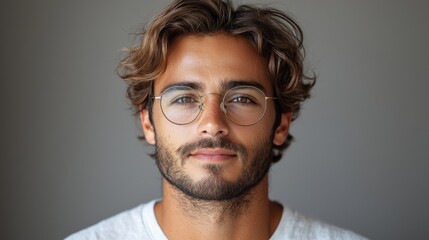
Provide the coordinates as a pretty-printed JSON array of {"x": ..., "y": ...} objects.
[{"x": 213, "y": 194}]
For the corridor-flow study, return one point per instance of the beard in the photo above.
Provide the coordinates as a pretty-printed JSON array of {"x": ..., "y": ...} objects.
[{"x": 255, "y": 165}]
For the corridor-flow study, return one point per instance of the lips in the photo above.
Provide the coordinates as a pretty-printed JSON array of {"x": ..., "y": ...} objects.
[{"x": 215, "y": 154}]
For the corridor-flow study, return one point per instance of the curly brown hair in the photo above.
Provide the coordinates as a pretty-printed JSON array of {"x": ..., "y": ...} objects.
[{"x": 274, "y": 34}]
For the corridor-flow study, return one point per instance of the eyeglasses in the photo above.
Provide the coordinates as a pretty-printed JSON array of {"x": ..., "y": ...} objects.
[{"x": 243, "y": 105}]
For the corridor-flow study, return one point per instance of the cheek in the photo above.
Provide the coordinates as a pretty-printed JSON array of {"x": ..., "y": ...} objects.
[
  {"x": 171, "y": 134},
  {"x": 266, "y": 125},
  {"x": 251, "y": 136}
]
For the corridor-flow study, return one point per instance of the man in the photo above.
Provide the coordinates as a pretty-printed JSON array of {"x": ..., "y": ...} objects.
[{"x": 216, "y": 89}]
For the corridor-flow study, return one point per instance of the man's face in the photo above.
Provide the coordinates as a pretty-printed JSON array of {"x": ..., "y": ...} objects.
[{"x": 213, "y": 158}]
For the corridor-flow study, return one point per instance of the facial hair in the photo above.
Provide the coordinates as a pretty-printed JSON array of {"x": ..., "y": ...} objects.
[{"x": 256, "y": 163}]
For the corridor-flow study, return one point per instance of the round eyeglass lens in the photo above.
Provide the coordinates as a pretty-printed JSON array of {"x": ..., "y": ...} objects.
[
  {"x": 244, "y": 105},
  {"x": 180, "y": 104}
]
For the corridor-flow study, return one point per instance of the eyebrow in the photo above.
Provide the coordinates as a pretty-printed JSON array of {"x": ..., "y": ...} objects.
[
  {"x": 235, "y": 83},
  {"x": 225, "y": 85},
  {"x": 194, "y": 85}
]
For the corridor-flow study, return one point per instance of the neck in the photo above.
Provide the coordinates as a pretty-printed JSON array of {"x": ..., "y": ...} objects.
[{"x": 250, "y": 216}]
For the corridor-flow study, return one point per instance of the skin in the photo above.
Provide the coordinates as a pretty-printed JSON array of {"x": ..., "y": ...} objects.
[{"x": 211, "y": 61}]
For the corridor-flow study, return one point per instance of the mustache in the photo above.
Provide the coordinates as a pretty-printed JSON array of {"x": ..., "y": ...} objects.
[{"x": 186, "y": 149}]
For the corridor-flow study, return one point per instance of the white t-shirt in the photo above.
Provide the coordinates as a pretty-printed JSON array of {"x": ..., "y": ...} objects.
[{"x": 140, "y": 223}]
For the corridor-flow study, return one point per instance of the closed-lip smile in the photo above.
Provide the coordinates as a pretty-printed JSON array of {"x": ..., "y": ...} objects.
[{"x": 213, "y": 154}]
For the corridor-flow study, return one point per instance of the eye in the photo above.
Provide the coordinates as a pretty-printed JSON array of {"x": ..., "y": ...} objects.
[
  {"x": 242, "y": 100},
  {"x": 184, "y": 100}
]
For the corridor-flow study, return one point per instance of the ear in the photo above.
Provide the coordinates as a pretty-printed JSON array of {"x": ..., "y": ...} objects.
[
  {"x": 282, "y": 130},
  {"x": 148, "y": 130}
]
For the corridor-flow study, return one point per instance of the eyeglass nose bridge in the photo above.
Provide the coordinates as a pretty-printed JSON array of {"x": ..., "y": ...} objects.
[{"x": 221, "y": 105}]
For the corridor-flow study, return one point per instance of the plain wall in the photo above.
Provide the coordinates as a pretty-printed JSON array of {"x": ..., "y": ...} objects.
[{"x": 69, "y": 153}]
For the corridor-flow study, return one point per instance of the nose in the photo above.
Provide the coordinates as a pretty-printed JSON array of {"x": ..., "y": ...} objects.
[{"x": 212, "y": 121}]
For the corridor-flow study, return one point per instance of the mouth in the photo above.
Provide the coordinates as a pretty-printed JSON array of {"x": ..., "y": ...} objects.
[{"x": 213, "y": 154}]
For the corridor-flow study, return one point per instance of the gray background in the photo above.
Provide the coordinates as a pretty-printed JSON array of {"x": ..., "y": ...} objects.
[{"x": 69, "y": 154}]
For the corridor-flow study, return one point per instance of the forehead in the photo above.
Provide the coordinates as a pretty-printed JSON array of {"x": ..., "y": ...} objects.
[{"x": 213, "y": 61}]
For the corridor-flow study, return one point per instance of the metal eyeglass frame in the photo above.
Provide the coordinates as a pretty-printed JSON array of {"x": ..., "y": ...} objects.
[{"x": 222, "y": 105}]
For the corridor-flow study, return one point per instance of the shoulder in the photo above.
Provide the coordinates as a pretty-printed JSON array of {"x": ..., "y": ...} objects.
[
  {"x": 296, "y": 226},
  {"x": 125, "y": 225}
]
